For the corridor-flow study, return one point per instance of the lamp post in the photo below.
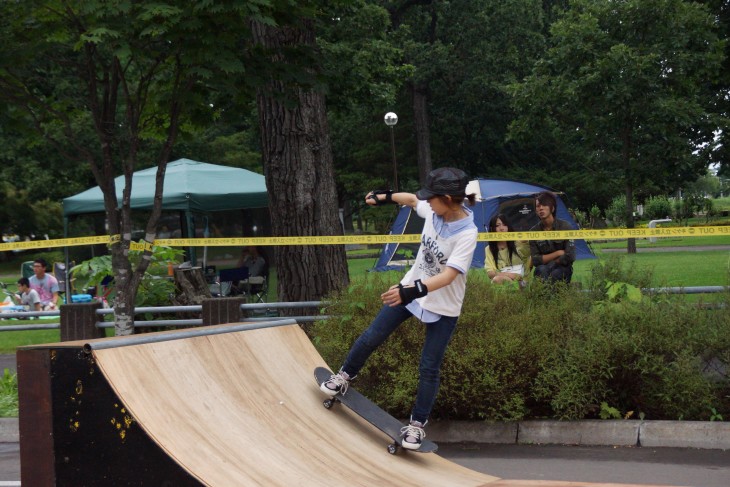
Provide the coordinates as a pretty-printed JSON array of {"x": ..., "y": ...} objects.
[{"x": 390, "y": 120}]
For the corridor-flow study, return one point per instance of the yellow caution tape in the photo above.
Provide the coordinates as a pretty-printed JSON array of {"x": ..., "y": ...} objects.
[{"x": 605, "y": 234}]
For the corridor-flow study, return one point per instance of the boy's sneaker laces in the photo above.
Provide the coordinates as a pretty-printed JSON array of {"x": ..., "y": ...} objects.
[
  {"x": 413, "y": 435},
  {"x": 336, "y": 384}
]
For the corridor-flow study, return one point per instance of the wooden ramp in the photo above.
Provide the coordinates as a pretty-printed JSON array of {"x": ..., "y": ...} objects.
[
  {"x": 231, "y": 408},
  {"x": 243, "y": 409}
]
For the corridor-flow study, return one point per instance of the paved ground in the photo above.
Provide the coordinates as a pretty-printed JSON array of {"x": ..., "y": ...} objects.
[
  {"x": 664, "y": 466},
  {"x": 7, "y": 362}
]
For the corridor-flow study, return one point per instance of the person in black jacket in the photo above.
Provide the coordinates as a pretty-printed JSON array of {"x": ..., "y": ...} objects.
[{"x": 552, "y": 259}]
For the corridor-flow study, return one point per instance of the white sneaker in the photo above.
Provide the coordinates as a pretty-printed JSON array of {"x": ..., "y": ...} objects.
[
  {"x": 413, "y": 435},
  {"x": 336, "y": 384}
]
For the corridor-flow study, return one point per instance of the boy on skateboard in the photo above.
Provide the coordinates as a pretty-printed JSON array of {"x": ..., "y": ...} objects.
[{"x": 432, "y": 290}]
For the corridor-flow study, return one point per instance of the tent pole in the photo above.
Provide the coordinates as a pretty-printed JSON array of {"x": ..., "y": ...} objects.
[
  {"x": 67, "y": 281},
  {"x": 190, "y": 223}
]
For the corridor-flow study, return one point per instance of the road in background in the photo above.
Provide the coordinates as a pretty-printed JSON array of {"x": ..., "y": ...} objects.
[{"x": 623, "y": 465}]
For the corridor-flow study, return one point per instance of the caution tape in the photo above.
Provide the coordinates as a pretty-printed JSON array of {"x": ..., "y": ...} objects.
[{"x": 605, "y": 234}]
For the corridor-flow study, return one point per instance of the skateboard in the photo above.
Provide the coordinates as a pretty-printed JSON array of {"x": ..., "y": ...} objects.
[{"x": 372, "y": 413}]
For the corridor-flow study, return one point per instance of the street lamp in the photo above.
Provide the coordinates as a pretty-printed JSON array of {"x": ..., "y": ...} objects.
[{"x": 390, "y": 120}]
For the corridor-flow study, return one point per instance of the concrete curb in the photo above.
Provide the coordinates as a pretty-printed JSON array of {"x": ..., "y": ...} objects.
[
  {"x": 682, "y": 434},
  {"x": 679, "y": 434},
  {"x": 9, "y": 430}
]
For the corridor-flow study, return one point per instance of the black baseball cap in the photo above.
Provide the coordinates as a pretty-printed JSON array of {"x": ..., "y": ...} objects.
[{"x": 444, "y": 181}]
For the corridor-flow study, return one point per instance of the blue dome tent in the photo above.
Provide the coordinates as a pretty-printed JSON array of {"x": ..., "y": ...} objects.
[{"x": 514, "y": 199}]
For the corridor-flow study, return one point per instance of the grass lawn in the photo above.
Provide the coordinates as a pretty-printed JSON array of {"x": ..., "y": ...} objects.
[
  {"x": 664, "y": 242},
  {"x": 11, "y": 340},
  {"x": 685, "y": 269}
]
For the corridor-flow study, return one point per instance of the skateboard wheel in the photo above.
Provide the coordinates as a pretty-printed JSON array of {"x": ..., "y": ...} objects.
[
  {"x": 328, "y": 403},
  {"x": 393, "y": 448}
]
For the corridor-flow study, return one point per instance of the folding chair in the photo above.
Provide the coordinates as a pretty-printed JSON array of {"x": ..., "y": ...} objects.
[
  {"x": 59, "y": 272},
  {"x": 259, "y": 286},
  {"x": 26, "y": 269}
]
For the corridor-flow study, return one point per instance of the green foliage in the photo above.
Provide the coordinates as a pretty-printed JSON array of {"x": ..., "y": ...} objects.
[
  {"x": 616, "y": 211},
  {"x": 657, "y": 208},
  {"x": 544, "y": 352},
  {"x": 8, "y": 394},
  {"x": 612, "y": 278},
  {"x": 594, "y": 215},
  {"x": 153, "y": 291},
  {"x": 625, "y": 86},
  {"x": 684, "y": 208},
  {"x": 608, "y": 412}
]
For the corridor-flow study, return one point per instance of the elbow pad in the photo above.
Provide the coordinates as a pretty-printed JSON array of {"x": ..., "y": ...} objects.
[{"x": 409, "y": 293}]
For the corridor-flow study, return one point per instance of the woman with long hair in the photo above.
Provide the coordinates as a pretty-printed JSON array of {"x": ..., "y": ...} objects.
[{"x": 506, "y": 260}]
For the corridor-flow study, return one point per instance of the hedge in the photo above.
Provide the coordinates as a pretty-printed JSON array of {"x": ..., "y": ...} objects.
[{"x": 546, "y": 352}]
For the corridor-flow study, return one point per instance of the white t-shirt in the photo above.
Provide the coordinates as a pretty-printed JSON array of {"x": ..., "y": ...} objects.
[
  {"x": 30, "y": 298},
  {"x": 438, "y": 250}
]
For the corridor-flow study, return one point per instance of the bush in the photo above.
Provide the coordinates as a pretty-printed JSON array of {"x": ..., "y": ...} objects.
[
  {"x": 595, "y": 215},
  {"x": 657, "y": 208},
  {"x": 616, "y": 211},
  {"x": 8, "y": 394},
  {"x": 545, "y": 352}
]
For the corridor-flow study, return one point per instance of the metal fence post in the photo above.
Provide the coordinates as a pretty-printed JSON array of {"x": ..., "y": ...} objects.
[
  {"x": 78, "y": 321},
  {"x": 219, "y": 311}
]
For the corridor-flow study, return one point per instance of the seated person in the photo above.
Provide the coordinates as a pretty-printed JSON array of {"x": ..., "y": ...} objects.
[
  {"x": 506, "y": 260},
  {"x": 553, "y": 259},
  {"x": 28, "y": 297},
  {"x": 253, "y": 260},
  {"x": 45, "y": 285}
]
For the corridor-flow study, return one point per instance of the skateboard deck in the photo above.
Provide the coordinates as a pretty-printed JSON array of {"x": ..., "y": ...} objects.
[{"x": 372, "y": 413}]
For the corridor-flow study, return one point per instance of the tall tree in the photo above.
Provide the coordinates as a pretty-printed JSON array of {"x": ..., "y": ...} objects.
[
  {"x": 362, "y": 63},
  {"x": 130, "y": 74},
  {"x": 625, "y": 83},
  {"x": 718, "y": 142},
  {"x": 298, "y": 164}
]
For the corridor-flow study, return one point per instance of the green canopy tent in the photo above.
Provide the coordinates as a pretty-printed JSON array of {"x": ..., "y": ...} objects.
[{"x": 190, "y": 187}]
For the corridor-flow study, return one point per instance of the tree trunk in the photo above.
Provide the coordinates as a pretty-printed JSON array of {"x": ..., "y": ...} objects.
[
  {"x": 423, "y": 131},
  {"x": 299, "y": 176},
  {"x": 190, "y": 287},
  {"x": 626, "y": 149},
  {"x": 125, "y": 291},
  {"x": 631, "y": 243}
]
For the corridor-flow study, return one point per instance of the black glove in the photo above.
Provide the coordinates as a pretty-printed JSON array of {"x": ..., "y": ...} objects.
[
  {"x": 408, "y": 294},
  {"x": 378, "y": 202}
]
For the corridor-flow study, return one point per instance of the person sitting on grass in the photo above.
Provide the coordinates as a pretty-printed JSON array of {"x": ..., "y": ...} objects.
[
  {"x": 553, "y": 259},
  {"x": 506, "y": 260},
  {"x": 45, "y": 285},
  {"x": 28, "y": 297}
]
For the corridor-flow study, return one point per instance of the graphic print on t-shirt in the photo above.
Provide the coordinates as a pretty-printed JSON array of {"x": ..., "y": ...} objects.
[{"x": 433, "y": 257}]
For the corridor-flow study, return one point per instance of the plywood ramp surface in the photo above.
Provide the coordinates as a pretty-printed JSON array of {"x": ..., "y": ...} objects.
[{"x": 243, "y": 408}]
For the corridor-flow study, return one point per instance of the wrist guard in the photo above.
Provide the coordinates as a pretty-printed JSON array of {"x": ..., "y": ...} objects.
[
  {"x": 408, "y": 294},
  {"x": 387, "y": 200}
]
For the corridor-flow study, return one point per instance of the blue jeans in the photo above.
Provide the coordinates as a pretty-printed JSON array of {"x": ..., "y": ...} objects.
[
  {"x": 553, "y": 272},
  {"x": 438, "y": 336}
]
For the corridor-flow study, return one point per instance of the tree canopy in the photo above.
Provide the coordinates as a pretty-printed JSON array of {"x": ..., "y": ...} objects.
[{"x": 624, "y": 84}]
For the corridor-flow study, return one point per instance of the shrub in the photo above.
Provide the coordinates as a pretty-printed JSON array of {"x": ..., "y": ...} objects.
[
  {"x": 595, "y": 215},
  {"x": 8, "y": 394},
  {"x": 657, "y": 208},
  {"x": 545, "y": 351},
  {"x": 616, "y": 211},
  {"x": 613, "y": 269}
]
